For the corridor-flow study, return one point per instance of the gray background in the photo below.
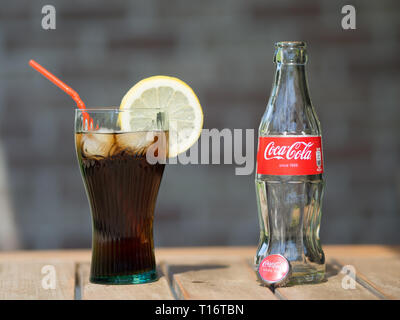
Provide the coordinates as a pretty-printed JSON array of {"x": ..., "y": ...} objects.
[{"x": 223, "y": 49}]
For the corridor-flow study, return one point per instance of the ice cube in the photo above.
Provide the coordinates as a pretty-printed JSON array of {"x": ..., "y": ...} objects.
[
  {"x": 135, "y": 142},
  {"x": 97, "y": 145}
]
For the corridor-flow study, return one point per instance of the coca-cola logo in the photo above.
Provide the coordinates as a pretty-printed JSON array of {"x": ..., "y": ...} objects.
[
  {"x": 297, "y": 151},
  {"x": 294, "y": 155},
  {"x": 270, "y": 264}
]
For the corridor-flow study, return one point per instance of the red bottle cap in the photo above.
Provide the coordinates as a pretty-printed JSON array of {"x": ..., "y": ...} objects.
[{"x": 274, "y": 269}]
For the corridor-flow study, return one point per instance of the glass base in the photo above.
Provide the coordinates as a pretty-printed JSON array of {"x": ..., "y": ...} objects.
[
  {"x": 303, "y": 274},
  {"x": 145, "y": 277}
]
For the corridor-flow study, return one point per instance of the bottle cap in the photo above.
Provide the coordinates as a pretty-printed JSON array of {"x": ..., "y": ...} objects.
[{"x": 274, "y": 270}]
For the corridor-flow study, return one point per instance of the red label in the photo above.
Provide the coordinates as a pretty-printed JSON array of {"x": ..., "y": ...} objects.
[
  {"x": 291, "y": 156},
  {"x": 273, "y": 268}
]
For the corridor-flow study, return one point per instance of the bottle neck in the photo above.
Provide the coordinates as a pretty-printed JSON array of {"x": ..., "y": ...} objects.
[
  {"x": 290, "y": 85},
  {"x": 289, "y": 109}
]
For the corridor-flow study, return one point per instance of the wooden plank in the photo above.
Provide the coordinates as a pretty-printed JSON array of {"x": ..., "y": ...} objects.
[
  {"x": 215, "y": 278},
  {"x": 330, "y": 290},
  {"x": 202, "y": 273},
  {"x": 34, "y": 280},
  {"x": 158, "y": 290},
  {"x": 381, "y": 274}
]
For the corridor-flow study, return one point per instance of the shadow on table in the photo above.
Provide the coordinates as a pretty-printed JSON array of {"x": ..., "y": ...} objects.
[{"x": 332, "y": 269}]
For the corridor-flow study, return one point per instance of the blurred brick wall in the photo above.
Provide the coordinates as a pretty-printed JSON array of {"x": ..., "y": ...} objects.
[{"x": 223, "y": 49}]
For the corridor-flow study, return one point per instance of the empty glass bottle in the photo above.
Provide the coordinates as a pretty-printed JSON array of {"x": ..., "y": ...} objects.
[{"x": 289, "y": 180}]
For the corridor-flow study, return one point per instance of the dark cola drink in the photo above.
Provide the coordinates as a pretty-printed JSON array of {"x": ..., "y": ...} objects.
[{"x": 122, "y": 188}]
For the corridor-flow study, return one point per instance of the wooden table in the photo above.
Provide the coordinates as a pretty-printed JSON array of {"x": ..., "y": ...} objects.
[{"x": 200, "y": 273}]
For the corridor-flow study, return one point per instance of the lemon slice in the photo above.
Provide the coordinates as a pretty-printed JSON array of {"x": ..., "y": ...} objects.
[{"x": 172, "y": 96}]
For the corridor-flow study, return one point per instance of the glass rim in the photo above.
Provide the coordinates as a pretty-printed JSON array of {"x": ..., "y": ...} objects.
[
  {"x": 291, "y": 44},
  {"x": 113, "y": 109}
]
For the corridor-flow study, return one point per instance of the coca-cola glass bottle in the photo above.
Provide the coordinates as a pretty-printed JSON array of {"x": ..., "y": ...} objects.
[{"x": 289, "y": 180}]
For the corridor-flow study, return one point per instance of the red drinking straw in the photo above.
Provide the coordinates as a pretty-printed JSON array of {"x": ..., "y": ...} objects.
[{"x": 80, "y": 104}]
